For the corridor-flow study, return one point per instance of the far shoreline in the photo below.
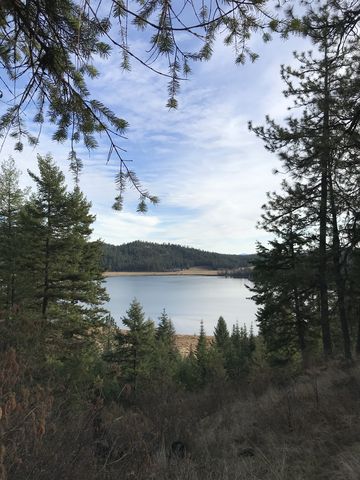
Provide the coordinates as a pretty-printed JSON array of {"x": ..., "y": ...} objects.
[{"x": 189, "y": 271}]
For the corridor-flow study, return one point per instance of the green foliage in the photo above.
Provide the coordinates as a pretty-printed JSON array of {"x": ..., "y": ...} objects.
[
  {"x": 50, "y": 278},
  {"x": 165, "y": 359},
  {"x": 302, "y": 278},
  {"x": 165, "y": 331},
  {"x": 12, "y": 198},
  {"x": 134, "y": 346},
  {"x": 61, "y": 263},
  {"x": 188, "y": 373},
  {"x": 221, "y": 335},
  {"x": 236, "y": 351},
  {"x": 201, "y": 347},
  {"x": 238, "y": 357},
  {"x": 285, "y": 284}
]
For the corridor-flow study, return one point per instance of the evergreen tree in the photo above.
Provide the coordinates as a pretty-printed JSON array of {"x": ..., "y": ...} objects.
[
  {"x": 221, "y": 335},
  {"x": 62, "y": 275},
  {"x": 62, "y": 265},
  {"x": 165, "y": 331},
  {"x": 46, "y": 223},
  {"x": 11, "y": 201},
  {"x": 188, "y": 373},
  {"x": 238, "y": 359},
  {"x": 233, "y": 366},
  {"x": 316, "y": 150},
  {"x": 284, "y": 275},
  {"x": 82, "y": 278},
  {"x": 252, "y": 341},
  {"x": 149, "y": 256},
  {"x": 135, "y": 346},
  {"x": 236, "y": 337},
  {"x": 165, "y": 359},
  {"x": 201, "y": 354},
  {"x": 201, "y": 346}
]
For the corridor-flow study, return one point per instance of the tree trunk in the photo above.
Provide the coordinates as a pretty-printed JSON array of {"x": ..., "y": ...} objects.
[
  {"x": 300, "y": 327},
  {"x": 300, "y": 324},
  {"x": 339, "y": 280},
  {"x": 45, "y": 300},
  {"x": 358, "y": 339},
  {"x": 324, "y": 162}
]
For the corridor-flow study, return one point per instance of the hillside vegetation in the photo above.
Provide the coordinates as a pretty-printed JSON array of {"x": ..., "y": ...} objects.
[
  {"x": 81, "y": 399},
  {"x": 153, "y": 257}
]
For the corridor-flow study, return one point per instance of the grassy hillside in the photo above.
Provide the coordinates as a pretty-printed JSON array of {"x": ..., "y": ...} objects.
[
  {"x": 152, "y": 257},
  {"x": 272, "y": 427}
]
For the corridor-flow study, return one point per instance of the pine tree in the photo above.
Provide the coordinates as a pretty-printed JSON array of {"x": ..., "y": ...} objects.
[
  {"x": 62, "y": 265},
  {"x": 201, "y": 354},
  {"x": 221, "y": 335},
  {"x": 45, "y": 223},
  {"x": 41, "y": 36},
  {"x": 188, "y": 373},
  {"x": 252, "y": 341},
  {"x": 165, "y": 331},
  {"x": 236, "y": 337},
  {"x": 239, "y": 356},
  {"x": 82, "y": 280},
  {"x": 11, "y": 201},
  {"x": 165, "y": 360},
  {"x": 201, "y": 346},
  {"x": 232, "y": 364},
  {"x": 284, "y": 276},
  {"x": 135, "y": 345},
  {"x": 316, "y": 150}
]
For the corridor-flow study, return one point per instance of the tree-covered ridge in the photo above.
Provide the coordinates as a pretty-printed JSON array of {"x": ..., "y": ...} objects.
[{"x": 141, "y": 256}]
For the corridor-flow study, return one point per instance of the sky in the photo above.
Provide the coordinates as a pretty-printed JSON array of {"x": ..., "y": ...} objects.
[{"x": 210, "y": 173}]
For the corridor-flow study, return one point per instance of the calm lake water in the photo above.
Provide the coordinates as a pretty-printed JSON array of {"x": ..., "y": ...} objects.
[{"x": 186, "y": 299}]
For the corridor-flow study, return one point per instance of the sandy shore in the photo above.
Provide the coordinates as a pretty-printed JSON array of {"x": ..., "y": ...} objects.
[{"x": 189, "y": 271}]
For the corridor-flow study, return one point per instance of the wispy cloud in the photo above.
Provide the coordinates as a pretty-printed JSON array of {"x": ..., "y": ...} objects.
[{"x": 210, "y": 172}]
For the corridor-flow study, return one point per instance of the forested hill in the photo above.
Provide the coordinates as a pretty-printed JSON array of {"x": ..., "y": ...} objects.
[{"x": 153, "y": 257}]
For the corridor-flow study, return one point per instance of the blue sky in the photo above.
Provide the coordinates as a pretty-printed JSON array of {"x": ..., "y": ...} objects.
[{"x": 210, "y": 172}]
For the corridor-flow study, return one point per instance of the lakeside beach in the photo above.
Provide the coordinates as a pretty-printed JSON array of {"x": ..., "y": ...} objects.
[{"x": 189, "y": 271}]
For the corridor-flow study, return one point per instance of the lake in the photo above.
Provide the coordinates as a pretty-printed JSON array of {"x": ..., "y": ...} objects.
[{"x": 186, "y": 299}]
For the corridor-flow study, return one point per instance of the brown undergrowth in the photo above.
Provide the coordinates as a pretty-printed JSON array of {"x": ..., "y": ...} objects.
[{"x": 302, "y": 428}]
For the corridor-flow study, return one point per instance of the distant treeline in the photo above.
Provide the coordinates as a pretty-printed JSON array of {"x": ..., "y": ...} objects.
[{"x": 153, "y": 257}]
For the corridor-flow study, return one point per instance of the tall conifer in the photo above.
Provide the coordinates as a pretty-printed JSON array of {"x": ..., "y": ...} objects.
[
  {"x": 135, "y": 345},
  {"x": 12, "y": 198},
  {"x": 221, "y": 335},
  {"x": 61, "y": 264},
  {"x": 317, "y": 148}
]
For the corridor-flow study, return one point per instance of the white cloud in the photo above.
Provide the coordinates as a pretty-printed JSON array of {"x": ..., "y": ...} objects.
[
  {"x": 210, "y": 172},
  {"x": 117, "y": 229}
]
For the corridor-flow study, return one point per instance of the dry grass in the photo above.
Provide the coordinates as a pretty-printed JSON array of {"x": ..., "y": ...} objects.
[
  {"x": 187, "y": 343},
  {"x": 184, "y": 343},
  {"x": 308, "y": 429}
]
